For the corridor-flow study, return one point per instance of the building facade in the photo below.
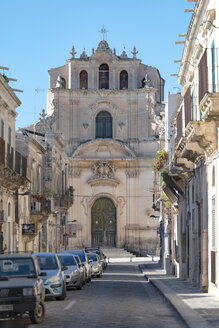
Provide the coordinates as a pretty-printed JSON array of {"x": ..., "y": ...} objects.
[
  {"x": 13, "y": 169},
  {"x": 108, "y": 109},
  {"x": 193, "y": 166}
]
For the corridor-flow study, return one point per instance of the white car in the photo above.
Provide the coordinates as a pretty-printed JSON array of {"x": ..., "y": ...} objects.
[
  {"x": 96, "y": 265},
  {"x": 74, "y": 276}
]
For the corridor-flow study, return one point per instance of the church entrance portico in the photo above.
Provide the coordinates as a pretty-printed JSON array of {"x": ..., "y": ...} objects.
[{"x": 103, "y": 223}]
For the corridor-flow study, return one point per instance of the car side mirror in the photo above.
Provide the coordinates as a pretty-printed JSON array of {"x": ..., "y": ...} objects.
[
  {"x": 90, "y": 261},
  {"x": 64, "y": 268},
  {"x": 43, "y": 274}
]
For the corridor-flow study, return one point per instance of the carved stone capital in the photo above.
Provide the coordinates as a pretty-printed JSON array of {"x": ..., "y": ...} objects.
[{"x": 132, "y": 173}]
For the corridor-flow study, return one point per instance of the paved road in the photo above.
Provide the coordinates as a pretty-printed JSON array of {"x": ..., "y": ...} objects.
[{"x": 122, "y": 298}]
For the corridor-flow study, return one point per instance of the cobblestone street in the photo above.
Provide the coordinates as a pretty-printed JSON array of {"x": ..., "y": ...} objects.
[{"x": 121, "y": 298}]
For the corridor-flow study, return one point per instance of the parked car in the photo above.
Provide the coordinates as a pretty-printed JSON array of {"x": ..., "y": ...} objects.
[
  {"x": 21, "y": 287},
  {"x": 84, "y": 260},
  {"x": 96, "y": 266},
  {"x": 98, "y": 251},
  {"x": 81, "y": 267},
  {"x": 74, "y": 276},
  {"x": 54, "y": 277}
]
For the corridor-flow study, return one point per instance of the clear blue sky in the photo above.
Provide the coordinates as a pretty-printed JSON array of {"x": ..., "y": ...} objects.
[{"x": 37, "y": 35}]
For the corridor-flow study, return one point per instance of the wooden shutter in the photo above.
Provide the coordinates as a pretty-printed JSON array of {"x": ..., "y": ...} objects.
[
  {"x": 188, "y": 107},
  {"x": 179, "y": 126},
  {"x": 203, "y": 76}
]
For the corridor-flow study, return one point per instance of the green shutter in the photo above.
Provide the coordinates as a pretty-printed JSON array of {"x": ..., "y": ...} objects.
[
  {"x": 9, "y": 135},
  {"x": 2, "y": 129},
  {"x": 213, "y": 66}
]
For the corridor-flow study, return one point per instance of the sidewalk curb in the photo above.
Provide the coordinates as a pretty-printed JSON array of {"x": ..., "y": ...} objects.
[{"x": 190, "y": 317}]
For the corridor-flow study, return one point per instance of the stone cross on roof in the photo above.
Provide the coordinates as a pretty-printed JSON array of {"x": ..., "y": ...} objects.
[
  {"x": 103, "y": 31},
  {"x": 73, "y": 52}
]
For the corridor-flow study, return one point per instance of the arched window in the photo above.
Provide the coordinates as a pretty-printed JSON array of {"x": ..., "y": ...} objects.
[
  {"x": 104, "y": 125},
  {"x": 63, "y": 83},
  {"x": 83, "y": 80},
  {"x": 123, "y": 80},
  {"x": 213, "y": 176},
  {"x": 104, "y": 76}
]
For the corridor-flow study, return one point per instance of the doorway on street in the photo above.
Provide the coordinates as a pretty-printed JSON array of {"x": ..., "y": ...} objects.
[{"x": 103, "y": 223}]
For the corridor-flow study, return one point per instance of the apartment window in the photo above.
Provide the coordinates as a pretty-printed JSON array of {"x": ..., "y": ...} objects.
[
  {"x": 9, "y": 135},
  {"x": 192, "y": 101},
  {"x": 213, "y": 176},
  {"x": 104, "y": 125},
  {"x": 104, "y": 76},
  {"x": 9, "y": 209},
  {"x": 213, "y": 66},
  {"x": 213, "y": 228},
  {"x": 193, "y": 194},
  {"x": 2, "y": 129},
  {"x": 203, "y": 76},
  {"x": 188, "y": 106}
]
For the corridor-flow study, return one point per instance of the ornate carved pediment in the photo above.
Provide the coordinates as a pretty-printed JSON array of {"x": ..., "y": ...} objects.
[
  {"x": 103, "y": 173},
  {"x": 103, "y": 149}
]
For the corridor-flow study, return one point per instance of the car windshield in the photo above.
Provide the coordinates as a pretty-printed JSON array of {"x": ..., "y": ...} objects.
[
  {"x": 67, "y": 260},
  {"x": 17, "y": 267},
  {"x": 92, "y": 257},
  {"x": 80, "y": 254},
  {"x": 77, "y": 259},
  {"x": 47, "y": 262}
]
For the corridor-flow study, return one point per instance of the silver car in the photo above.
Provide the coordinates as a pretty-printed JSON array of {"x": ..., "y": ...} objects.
[
  {"x": 74, "y": 276},
  {"x": 96, "y": 265}
]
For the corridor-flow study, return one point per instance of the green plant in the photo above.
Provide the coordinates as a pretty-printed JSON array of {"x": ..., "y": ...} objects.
[
  {"x": 202, "y": 108},
  {"x": 162, "y": 156},
  {"x": 6, "y": 78}
]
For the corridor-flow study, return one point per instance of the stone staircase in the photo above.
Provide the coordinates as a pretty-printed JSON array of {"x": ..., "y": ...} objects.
[{"x": 116, "y": 253}]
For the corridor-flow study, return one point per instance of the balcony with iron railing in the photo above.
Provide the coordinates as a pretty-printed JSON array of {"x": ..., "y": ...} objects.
[
  {"x": 40, "y": 208},
  {"x": 13, "y": 167}
]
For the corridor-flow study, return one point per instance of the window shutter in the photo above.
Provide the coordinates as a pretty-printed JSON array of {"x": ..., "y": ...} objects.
[
  {"x": 179, "y": 126},
  {"x": 188, "y": 107},
  {"x": 203, "y": 76},
  {"x": 213, "y": 243},
  {"x": 213, "y": 66}
]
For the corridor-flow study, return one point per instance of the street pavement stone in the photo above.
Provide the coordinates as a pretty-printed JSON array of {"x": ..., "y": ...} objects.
[
  {"x": 196, "y": 308},
  {"x": 122, "y": 298}
]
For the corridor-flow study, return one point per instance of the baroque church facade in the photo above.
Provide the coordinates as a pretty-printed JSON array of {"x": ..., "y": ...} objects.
[{"x": 108, "y": 110}]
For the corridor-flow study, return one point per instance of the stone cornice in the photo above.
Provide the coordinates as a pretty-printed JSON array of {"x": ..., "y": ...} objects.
[
  {"x": 99, "y": 92},
  {"x": 6, "y": 89}
]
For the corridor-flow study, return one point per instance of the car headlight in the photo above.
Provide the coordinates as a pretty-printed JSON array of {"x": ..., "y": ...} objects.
[
  {"x": 28, "y": 291},
  {"x": 53, "y": 279},
  {"x": 75, "y": 272}
]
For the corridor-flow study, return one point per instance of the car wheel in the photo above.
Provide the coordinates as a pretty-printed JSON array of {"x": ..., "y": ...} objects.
[
  {"x": 37, "y": 315},
  {"x": 80, "y": 286},
  {"x": 63, "y": 296},
  {"x": 99, "y": 275}
]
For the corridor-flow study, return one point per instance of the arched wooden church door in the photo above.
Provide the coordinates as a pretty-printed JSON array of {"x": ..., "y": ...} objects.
[{"x": 103, "y": 223}]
